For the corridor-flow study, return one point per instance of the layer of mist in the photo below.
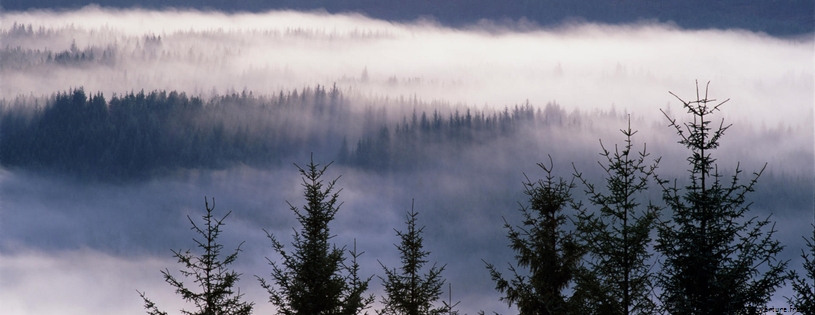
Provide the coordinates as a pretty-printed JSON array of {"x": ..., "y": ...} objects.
[
  {"x": 114, "y": 125},
  {"x": 579, "y": 66}
]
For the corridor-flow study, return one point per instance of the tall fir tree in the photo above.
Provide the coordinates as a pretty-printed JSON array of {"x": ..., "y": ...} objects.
[
  {"x": 803, "y": 287},
  {"x": 549, "y": 252},
  {"x": 210, "y": 273},
  {"x": 618, "y": 277},
  {"x": 409, "y": 291},
  {"x": 314, "y": 280},
  {"x": 716, "y": 259}
]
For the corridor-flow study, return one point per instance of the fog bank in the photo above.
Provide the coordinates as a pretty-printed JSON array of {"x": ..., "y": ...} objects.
[
  {"x": 578, "y": 65},
  {"x": 58, "y": 234}
]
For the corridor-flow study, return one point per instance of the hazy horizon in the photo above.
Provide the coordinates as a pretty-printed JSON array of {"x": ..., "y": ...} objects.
[{"x": 58, "y": 233}]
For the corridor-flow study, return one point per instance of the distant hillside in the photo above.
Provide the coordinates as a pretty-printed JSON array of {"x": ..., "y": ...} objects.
[{"x": 140, "y": 135}]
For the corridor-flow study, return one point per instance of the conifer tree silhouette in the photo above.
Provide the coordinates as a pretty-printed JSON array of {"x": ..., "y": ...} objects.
[
  {"x": 209, "y": 272},
  {"x": 313, "y": 279},
  {"x": 717, "y": 258},
  {"x": 618, "y": 277},
  {"x": 408, "y": 291},
  {"x": 549, "y": 252},
  {"x": 803, "y": 286}
]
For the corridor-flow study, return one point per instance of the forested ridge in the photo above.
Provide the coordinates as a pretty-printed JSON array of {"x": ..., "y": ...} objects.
[
  {"x": 17, "y": 58},
  {"x": 393, "y": 158},
  {"x": 573, "y": 255},
  {"x": 140, "y": 134}
]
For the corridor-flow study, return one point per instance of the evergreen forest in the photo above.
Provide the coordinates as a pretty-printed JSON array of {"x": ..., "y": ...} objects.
[
  {"x": 533, "y": 158},
  {"x": 570, "y": 251}
]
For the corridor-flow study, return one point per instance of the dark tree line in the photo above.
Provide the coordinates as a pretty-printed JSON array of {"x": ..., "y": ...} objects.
[
  {"x": 714, "y": 256},
  {"x": 17, "y": 58},
  {"x": 142, "y": 134},
  {"x": 314, "y": 275},
  {"x": 138, "y": 134},
  {"x": 418, "y": 139}
]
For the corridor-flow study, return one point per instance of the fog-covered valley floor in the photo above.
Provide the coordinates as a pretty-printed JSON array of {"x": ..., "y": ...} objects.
[{"x": 206, "y": 104}]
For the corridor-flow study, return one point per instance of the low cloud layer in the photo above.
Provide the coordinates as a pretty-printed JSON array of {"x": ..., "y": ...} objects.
[
  {"x": 61, "y": 235},
  {"x": 580, "y": 66}
]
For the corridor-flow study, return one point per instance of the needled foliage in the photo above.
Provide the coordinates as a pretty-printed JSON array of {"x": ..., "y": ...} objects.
[
  {"x": 803, "y": 287},
  {"x": 617, "y": 278},
  {"x": 717, "y": 258},
  {"x": 140, "y": 135},
  {"x": 408, "y": 291},
  {"x": 313, "y": 279},
  {"x": 209, "y": 273},
  {"x": 543, "y": 247}
]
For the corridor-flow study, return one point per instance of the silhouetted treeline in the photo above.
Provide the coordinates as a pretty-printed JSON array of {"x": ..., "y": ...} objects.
[
  {"x": 419, "y": 138},
  {"x": 139, "y": 134},
  {"x": 144, "y": 48},
  {"x": 18, "y": 58},
  {"x": 16, "y": 54}
]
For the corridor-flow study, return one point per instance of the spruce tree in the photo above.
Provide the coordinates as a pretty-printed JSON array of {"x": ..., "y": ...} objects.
[
  {"x": 209, "y": 272},
  {"x": 313, "y": 279},
  {"x": 549, "y": 252},
  {"x": 355, "y": 300},
  {"x": 803, "y": 299},
  {"x": 717, "y": 260},
  {"x": 408, "y": 291},
  {"x": 618, "y": 278}
]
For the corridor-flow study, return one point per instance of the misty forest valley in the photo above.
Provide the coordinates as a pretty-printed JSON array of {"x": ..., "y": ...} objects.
[{"x": 396, "y": 161}]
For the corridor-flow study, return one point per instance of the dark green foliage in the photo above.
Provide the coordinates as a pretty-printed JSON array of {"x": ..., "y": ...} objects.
[
  {"x": 313, "y": 279},
  {"x": 618, "y": 277},
  {"x": 142, "y": 135},
  {"x": 543, "y": 247},
  {"x": 210, "y": 273},
  {"x": 804, "y": 286},
  {"x": 355, "y": 300},
  {"x": 418, "y": 141},
  {"x": 717, "y": 260},
  {"x": 409, "y": 292},
  {"x": 138, "y": 135}
]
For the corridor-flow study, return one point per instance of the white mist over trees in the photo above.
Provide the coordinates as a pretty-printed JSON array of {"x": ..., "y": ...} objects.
[
  {"x": 416, "y": 141},
  {"x": 113, "y": 121},
  {"x": 200, "y": 53}
]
